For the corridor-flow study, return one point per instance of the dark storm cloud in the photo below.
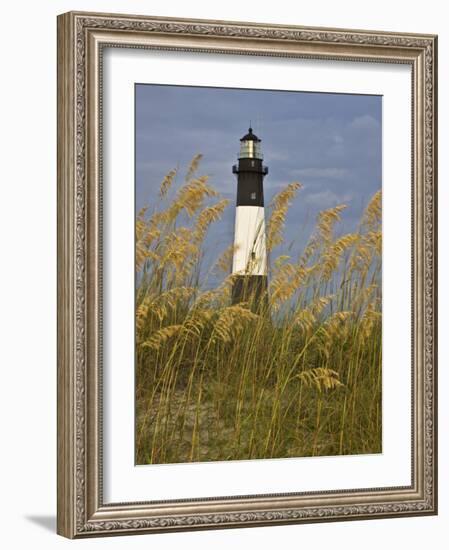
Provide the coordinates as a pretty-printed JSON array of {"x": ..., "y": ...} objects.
[{"x": 331, "y": 143}]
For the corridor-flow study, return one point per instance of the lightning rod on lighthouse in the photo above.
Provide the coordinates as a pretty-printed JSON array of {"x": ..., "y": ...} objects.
[{"x": 250, "y": 252}]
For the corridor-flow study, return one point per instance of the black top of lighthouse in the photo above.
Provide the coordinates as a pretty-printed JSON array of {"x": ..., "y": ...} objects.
[
  {"x": 250, "y": 136},
  {"x": 250, "y": 164}
]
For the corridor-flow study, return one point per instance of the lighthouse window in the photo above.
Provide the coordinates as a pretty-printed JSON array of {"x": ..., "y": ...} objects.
[{"x": 253, "y": 196}]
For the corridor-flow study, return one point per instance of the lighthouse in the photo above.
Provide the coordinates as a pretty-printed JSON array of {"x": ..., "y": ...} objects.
[{"x": 250, "y": 252}]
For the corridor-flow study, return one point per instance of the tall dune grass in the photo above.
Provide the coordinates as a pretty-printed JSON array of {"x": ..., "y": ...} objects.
[{"x": 215, "y": 381}]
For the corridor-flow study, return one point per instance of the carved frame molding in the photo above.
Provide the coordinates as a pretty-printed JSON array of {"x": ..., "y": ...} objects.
[{"x": 81, "y": 39}]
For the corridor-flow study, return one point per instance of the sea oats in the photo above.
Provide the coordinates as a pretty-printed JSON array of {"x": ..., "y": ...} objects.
[{"x": 216, "y": 381}]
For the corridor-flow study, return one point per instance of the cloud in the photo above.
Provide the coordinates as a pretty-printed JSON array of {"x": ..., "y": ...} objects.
[
  {"x": 279, "y": 156},
  {"x": 316, "y": 172},
  {"x": 327, "y": 199},
  {"x": 364, "y": 122}
]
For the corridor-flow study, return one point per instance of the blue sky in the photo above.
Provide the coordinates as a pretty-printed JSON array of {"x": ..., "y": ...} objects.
[{"x": 331, "y": 143}]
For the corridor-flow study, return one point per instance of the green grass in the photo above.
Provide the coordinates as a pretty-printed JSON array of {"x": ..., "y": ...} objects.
[{"x": 220, "y": 382}]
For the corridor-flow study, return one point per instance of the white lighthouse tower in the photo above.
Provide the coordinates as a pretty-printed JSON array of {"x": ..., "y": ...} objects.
[{"x": 250, "y": 253}]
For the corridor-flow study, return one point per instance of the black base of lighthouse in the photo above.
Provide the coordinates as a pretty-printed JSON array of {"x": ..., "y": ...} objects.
[{"x": 252, "y": 289}]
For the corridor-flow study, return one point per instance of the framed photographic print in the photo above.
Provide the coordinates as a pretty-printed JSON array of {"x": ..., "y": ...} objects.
[{"x": 246, "y": 274}]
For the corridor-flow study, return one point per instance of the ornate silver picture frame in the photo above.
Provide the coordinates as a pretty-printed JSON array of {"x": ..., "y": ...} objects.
[{"x": 82, "y": 40}]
